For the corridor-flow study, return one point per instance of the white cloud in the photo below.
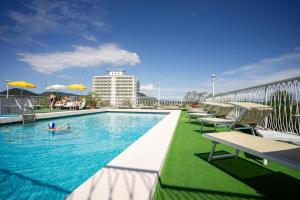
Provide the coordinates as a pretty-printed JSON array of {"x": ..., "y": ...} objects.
[
  {"x": 89, "y": 37},
  {"x": 267, "y": 64},
  {"x": 225, "y": 84},
  {"x": 148, "y": 87},
  {"x": 99, "y": 24},
  {"x": 264, "y": 71},
  {"x": 82, "y": 56},
  {"x": 32, "y": 24},
  {"x": 38, "y": 17}
]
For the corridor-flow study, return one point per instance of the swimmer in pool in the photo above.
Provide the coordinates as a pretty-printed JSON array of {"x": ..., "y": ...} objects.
[{"x": 51, "y": 127}]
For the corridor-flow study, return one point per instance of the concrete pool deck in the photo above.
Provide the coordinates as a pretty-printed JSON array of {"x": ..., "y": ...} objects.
[{"x": 134, "y": 173}]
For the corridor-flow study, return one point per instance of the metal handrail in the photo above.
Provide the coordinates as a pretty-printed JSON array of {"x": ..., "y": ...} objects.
[
  {"x": 283, "y": 96},
  {"x": 256, "y": 86}
]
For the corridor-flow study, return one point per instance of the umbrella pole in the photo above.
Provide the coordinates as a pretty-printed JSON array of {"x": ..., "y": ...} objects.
[{"x": 7, "y": 89}]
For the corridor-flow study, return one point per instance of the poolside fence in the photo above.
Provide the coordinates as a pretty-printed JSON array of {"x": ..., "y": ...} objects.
[
  {"x": 14, "y": 104},
  {"x": 152, "y": 102},
  {"x": 283, "y": 96}
]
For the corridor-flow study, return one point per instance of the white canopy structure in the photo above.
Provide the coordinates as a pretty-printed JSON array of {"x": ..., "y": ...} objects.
[{"x": 56, "y": 87}]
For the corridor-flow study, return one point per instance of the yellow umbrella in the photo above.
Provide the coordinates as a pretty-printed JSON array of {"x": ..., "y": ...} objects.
[
  {"x": 76, "y": 87},
  {"x": 22, "y": 84}
]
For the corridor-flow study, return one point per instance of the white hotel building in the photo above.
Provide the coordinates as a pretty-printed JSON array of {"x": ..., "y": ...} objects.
[{"x": 117, "y": 88}]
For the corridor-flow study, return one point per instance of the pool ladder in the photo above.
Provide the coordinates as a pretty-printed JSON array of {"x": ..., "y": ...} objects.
[{"x": 29, "y": 117}]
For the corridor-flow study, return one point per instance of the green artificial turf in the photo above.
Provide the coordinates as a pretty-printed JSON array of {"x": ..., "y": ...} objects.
[{"x": 187, "y": 174}]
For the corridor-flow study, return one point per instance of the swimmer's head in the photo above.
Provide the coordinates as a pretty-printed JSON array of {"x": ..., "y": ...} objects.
[{"x": 51, "y": 125}]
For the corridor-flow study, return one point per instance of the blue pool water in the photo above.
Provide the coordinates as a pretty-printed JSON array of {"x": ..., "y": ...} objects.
[
  {"x": 8, "y": 115},
  {"x": 38, "y": 164}
]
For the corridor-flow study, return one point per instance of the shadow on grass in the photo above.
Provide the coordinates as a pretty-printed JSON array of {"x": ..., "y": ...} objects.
[
  {"x": 209, "y": 128},
  {"x": 254, "y": 158},
  {"x": 193, "y": 122},
  {"x": 271, "y": 184},
  {"x": 168, "y": 191}
]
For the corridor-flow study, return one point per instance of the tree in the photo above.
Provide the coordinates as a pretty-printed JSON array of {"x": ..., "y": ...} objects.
[
  {"x": 93, "y": 100},
  {"x": 193, "y": 96}
]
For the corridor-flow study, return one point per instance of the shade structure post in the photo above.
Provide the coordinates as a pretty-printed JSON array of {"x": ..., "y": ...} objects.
[
  {"x": 7, "y": 88},
  {"x": 213, "y": 77}
]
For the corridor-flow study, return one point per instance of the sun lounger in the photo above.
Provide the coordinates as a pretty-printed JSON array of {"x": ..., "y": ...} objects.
[
  {"x": 196, "y": 115},
  {"x": 250, "y": 116},
  {"x": 207, "y": 110},
  {"x": 213, "y": 110},
  {"x": 82, "y": 105},
  {"x": 281, "y": 152},
  {"x": 205, "y": 107},
  {"x": 195, "y": 110},
  {"x": 71, "y": 105},
  {"x": 59, "y": 105},
  {"x": 280, "y": 136}
]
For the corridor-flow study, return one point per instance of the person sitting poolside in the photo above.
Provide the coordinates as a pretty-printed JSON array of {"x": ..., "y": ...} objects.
[
  {"x": 51, "y": 127},
  {"x": 52, "y": 101}
]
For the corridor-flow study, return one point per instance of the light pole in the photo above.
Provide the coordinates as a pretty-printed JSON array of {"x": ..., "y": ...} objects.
[
  {"x": 158, "y": 94},
  {"x": 7, "y": 88},
  {"x": 213, "y": 77}
]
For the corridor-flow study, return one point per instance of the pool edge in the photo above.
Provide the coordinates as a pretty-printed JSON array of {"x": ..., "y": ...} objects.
[
  {"x": 50, "y": 115},
  {"x": 133, "y": 174}
]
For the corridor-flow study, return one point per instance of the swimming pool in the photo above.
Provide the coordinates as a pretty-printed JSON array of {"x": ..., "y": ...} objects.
[
  {"x": 8, "y": 115},
  {"x": 38, "y": 164}
]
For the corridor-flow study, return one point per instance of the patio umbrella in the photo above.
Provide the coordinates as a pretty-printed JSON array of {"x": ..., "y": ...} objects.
[
  {"x": 56, "y": 87},
  {"x": 77, "y": 87},
  {"x": 21, "y": 84}
]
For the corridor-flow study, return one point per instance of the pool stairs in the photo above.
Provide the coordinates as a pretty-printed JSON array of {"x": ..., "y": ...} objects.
[{"x": 29, "y": 117}]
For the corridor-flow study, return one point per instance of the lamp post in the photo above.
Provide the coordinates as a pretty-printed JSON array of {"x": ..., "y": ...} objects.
[
  {"x": 7, "y": 88},
  {"x": 213, "y": 77},
  {"x": 158, "y": 94}
]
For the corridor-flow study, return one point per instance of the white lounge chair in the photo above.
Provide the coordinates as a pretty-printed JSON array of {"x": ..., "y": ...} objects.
[
  {"x": 82, "y": 105},
  {"x": 211, "y": 109},
  {"x": 71, "y": 105},
  {"x": 281, "y": 152},
  {"x": 250, "y": 116},
  {"x": 59, "y": 105},
  {"x": 215, "y": 110},
  {"x": 280, "y": 136},
  {"x": 198, "y": 110}
]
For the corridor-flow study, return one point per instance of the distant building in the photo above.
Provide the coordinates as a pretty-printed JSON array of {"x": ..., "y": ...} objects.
[{"x": 117, "y": 88}]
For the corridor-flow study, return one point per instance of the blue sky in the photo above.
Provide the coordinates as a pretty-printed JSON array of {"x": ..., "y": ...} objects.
[{"x": 177, "y": 43}]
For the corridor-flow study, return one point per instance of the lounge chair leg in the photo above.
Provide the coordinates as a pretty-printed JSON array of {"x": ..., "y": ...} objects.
[
  {"x": 253, "y": 131},
  {"x": 212, "y": 150},
  {"x": 201, "y": 127},
  {"x": 237, "y": 153},
  {"x": 215, "y": 127},
  {"x": 265, "y": 161}
]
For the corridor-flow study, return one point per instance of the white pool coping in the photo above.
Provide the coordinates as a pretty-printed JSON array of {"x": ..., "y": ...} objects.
[
  {"x": 48, "y": 115},
  {"x": 134, "y": 173}
]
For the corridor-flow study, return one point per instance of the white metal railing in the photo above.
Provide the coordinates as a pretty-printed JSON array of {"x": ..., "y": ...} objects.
[
  {"x": 15, "y": 104},
  {"x": 152, "y": 102},
  {"x": 283, "y": 96}
]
